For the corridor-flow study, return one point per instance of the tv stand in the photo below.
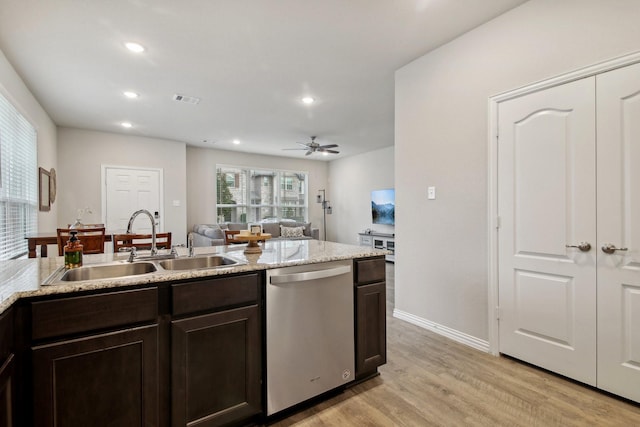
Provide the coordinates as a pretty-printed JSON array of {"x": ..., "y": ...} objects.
[{"x": 379, "y": 241}]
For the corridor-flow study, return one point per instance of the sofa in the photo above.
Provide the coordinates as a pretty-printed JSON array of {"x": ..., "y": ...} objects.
[{"x": 213, "y": 234}]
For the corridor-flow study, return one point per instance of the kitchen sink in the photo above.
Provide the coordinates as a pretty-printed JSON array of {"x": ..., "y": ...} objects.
[
  {"x": 108, "y": 271},
  {"x": 211, "y": 261}
]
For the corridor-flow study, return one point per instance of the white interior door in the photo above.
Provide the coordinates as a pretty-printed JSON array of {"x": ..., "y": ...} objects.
[
  {"x": 546, "y": 200},
  {"x": 618, "y": 130},
  {"x": 126, "y": 191}
]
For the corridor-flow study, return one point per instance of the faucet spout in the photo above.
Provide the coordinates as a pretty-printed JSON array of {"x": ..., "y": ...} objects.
[
  {"x": 190, "y": 244},
  {"x": 154, "y": 250}
]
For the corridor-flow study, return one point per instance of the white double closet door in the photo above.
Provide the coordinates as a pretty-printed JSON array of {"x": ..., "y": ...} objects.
[{"x": 569, "y": 175}]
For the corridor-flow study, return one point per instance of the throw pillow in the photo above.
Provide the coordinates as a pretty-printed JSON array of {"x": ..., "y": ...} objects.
[
  {"x": 289, "y": 232},
  {"x": 271, "y": 228},
  {"x": 305, "y": 225}
]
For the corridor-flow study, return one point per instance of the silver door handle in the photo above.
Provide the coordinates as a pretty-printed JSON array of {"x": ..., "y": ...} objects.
[
  {"x": 583, "y": 246},
  {"x": 611, "y": 248},
  {"x": 310, "y": 275}
]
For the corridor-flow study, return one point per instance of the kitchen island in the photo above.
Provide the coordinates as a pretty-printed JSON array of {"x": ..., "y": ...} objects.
[{"x": 170, "y": 347}]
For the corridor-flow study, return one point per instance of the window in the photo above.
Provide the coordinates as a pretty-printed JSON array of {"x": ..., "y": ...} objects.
[
  {"x": 18, "y": 181},
  {"x": 261, "y": 195}
]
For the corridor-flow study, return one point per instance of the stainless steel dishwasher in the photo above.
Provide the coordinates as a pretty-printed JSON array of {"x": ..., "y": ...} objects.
[{"x": 310, "y": 332}]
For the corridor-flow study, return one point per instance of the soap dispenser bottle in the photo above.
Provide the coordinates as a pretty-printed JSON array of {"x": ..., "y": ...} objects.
[{"x": 73, "y": 251}]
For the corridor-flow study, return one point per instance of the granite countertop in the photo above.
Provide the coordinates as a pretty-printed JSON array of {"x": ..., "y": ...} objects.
[{"x": 25, "y": 277}]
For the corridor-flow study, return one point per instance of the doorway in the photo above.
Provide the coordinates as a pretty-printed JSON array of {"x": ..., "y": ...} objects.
[
  {"x": 565, "y": 198},
  {"x": 126, "y": 190}
]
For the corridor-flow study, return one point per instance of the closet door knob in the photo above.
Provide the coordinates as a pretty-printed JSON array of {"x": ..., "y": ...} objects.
[
  {"x": 610, "y": 248},
  {"x": 583, "y": 246}
]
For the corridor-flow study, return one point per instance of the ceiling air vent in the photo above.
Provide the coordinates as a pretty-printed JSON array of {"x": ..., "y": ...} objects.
[{"x": 185, "y": 98}]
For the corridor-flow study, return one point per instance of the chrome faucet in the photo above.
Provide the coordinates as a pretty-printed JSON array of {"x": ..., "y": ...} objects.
[
  {"x": 154, "y": 250},
  {"x": 190, "y": 244}
]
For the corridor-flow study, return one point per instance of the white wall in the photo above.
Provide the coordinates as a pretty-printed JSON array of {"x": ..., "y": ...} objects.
[
  {"x": 201, "y": 180},
  {"x": 351, "y": 181},
  {"x": 441, "y": 140},
  {"x": 13, "y": 88},
  {"x": 81, "y": 154}
]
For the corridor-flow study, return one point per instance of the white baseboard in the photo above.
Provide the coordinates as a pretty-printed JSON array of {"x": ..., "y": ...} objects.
[{"x": 453, "y": 334}]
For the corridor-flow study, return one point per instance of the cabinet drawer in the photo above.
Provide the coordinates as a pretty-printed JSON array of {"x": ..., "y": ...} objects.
[
  {"x": 215, "y": 293},
  {"x": 92, "y": 312},
  {"x": 370, "y": 270}
]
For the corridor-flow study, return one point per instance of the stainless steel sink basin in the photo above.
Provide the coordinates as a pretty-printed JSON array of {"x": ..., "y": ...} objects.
[
  {"x": 109, "y": 271},
  {"x": 211, "y": 261}
]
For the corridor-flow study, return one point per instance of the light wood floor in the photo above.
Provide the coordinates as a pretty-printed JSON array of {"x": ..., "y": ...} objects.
[{"x": 430, "y": 380}]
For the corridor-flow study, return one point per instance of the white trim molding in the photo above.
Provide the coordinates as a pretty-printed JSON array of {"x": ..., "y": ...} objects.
[{"x": 445, "y": 331}]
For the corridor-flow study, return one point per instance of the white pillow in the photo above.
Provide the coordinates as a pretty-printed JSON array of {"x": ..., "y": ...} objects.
[{"x": 287, "y": 232}]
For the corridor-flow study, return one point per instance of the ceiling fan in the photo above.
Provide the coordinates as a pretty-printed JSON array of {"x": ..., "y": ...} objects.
[{"x": 313, "y": 147}]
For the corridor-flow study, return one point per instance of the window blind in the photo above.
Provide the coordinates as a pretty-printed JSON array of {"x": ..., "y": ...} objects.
[{"x": 18, "y": 181}]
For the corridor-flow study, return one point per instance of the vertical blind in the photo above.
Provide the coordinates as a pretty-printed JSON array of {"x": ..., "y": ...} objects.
[{"x": 18, "y": 181}]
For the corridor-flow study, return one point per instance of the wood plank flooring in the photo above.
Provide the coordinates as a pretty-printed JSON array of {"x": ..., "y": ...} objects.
[{"x": 430, "y": 380}]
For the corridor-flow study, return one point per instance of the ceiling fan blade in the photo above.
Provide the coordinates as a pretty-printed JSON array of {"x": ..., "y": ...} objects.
[
  {"x": 304, "y": 144},
  {"x": 295, "y": 148},
  {"x": 330, "y": 151},
  {"x": 329, "y": 146},
  {"x": 308, "y": 152}
]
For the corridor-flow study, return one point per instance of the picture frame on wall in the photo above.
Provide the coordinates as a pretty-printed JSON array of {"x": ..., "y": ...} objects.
[{"x": 44, "y": 185}]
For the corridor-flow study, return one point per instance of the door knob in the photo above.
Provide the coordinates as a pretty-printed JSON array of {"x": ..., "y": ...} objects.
[
  {"x": 583, "y": 246},
  {"x": 610, "y": 248}
]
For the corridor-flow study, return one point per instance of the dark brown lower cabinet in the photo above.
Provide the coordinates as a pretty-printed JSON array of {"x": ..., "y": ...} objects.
[
  {"x": 106, "y": 379},
  {"x": 216, "y": 368},
  {"x": 371, "y": 324},
  {"x": 6, "y": 392}
]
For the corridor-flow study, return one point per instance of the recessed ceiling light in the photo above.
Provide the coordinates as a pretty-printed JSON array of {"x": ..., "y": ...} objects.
[
  {"x": 130, "y": 95},
  {"x": 134, "y": 47},
  {"x": 236, "y": 141},
  {"x": 308, "y": 100},
  {"x": 126, "y": 125}
]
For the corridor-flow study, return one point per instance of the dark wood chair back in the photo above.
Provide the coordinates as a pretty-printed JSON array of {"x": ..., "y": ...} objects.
[
  {"x": 140, "y": 241},
  {"x": 92, "y": 239},
  {"x": 228, "y": 236}
]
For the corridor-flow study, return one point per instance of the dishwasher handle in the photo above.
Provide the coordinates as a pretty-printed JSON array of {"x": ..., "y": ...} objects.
[{"x": 310, "y": 275}]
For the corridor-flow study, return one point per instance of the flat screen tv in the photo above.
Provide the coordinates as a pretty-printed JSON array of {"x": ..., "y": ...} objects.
[{"x": 383, "y": 206}]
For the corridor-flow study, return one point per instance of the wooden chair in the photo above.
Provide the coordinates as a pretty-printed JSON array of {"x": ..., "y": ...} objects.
[
  {"x": 140, "y": 241},
  {"x": 228, "y": 236},
  {"x": 92, "y": 239}
]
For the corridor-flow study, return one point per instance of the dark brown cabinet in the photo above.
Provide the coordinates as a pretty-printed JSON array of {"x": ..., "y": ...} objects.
[
  {"x": 371, "y": 323},
  {"x": 107, "y": 379},
  {"x": 216, "y": 356},
  {"x": 93, "y": 362},
  {"x": 7, "y": 370}
]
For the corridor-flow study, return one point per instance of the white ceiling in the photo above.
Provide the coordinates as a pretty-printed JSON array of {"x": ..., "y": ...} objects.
[{"x": 250, "y": 62}]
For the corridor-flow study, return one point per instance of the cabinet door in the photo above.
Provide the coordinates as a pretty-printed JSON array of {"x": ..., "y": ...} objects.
[
  {"x": 216, "y": 368},
  {"x": 108, "y": 379},
  {"x": 371, "y": 329},
  {"x": 6, "y": 392},
  {"x": 7, "y": 370}
]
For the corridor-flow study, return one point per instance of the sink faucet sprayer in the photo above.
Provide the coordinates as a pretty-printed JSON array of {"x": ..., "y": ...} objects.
[{"x": 154, "y": 250}]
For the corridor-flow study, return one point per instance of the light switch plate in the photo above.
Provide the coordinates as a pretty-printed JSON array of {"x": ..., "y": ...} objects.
[{"x": 431, "y": 193}]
